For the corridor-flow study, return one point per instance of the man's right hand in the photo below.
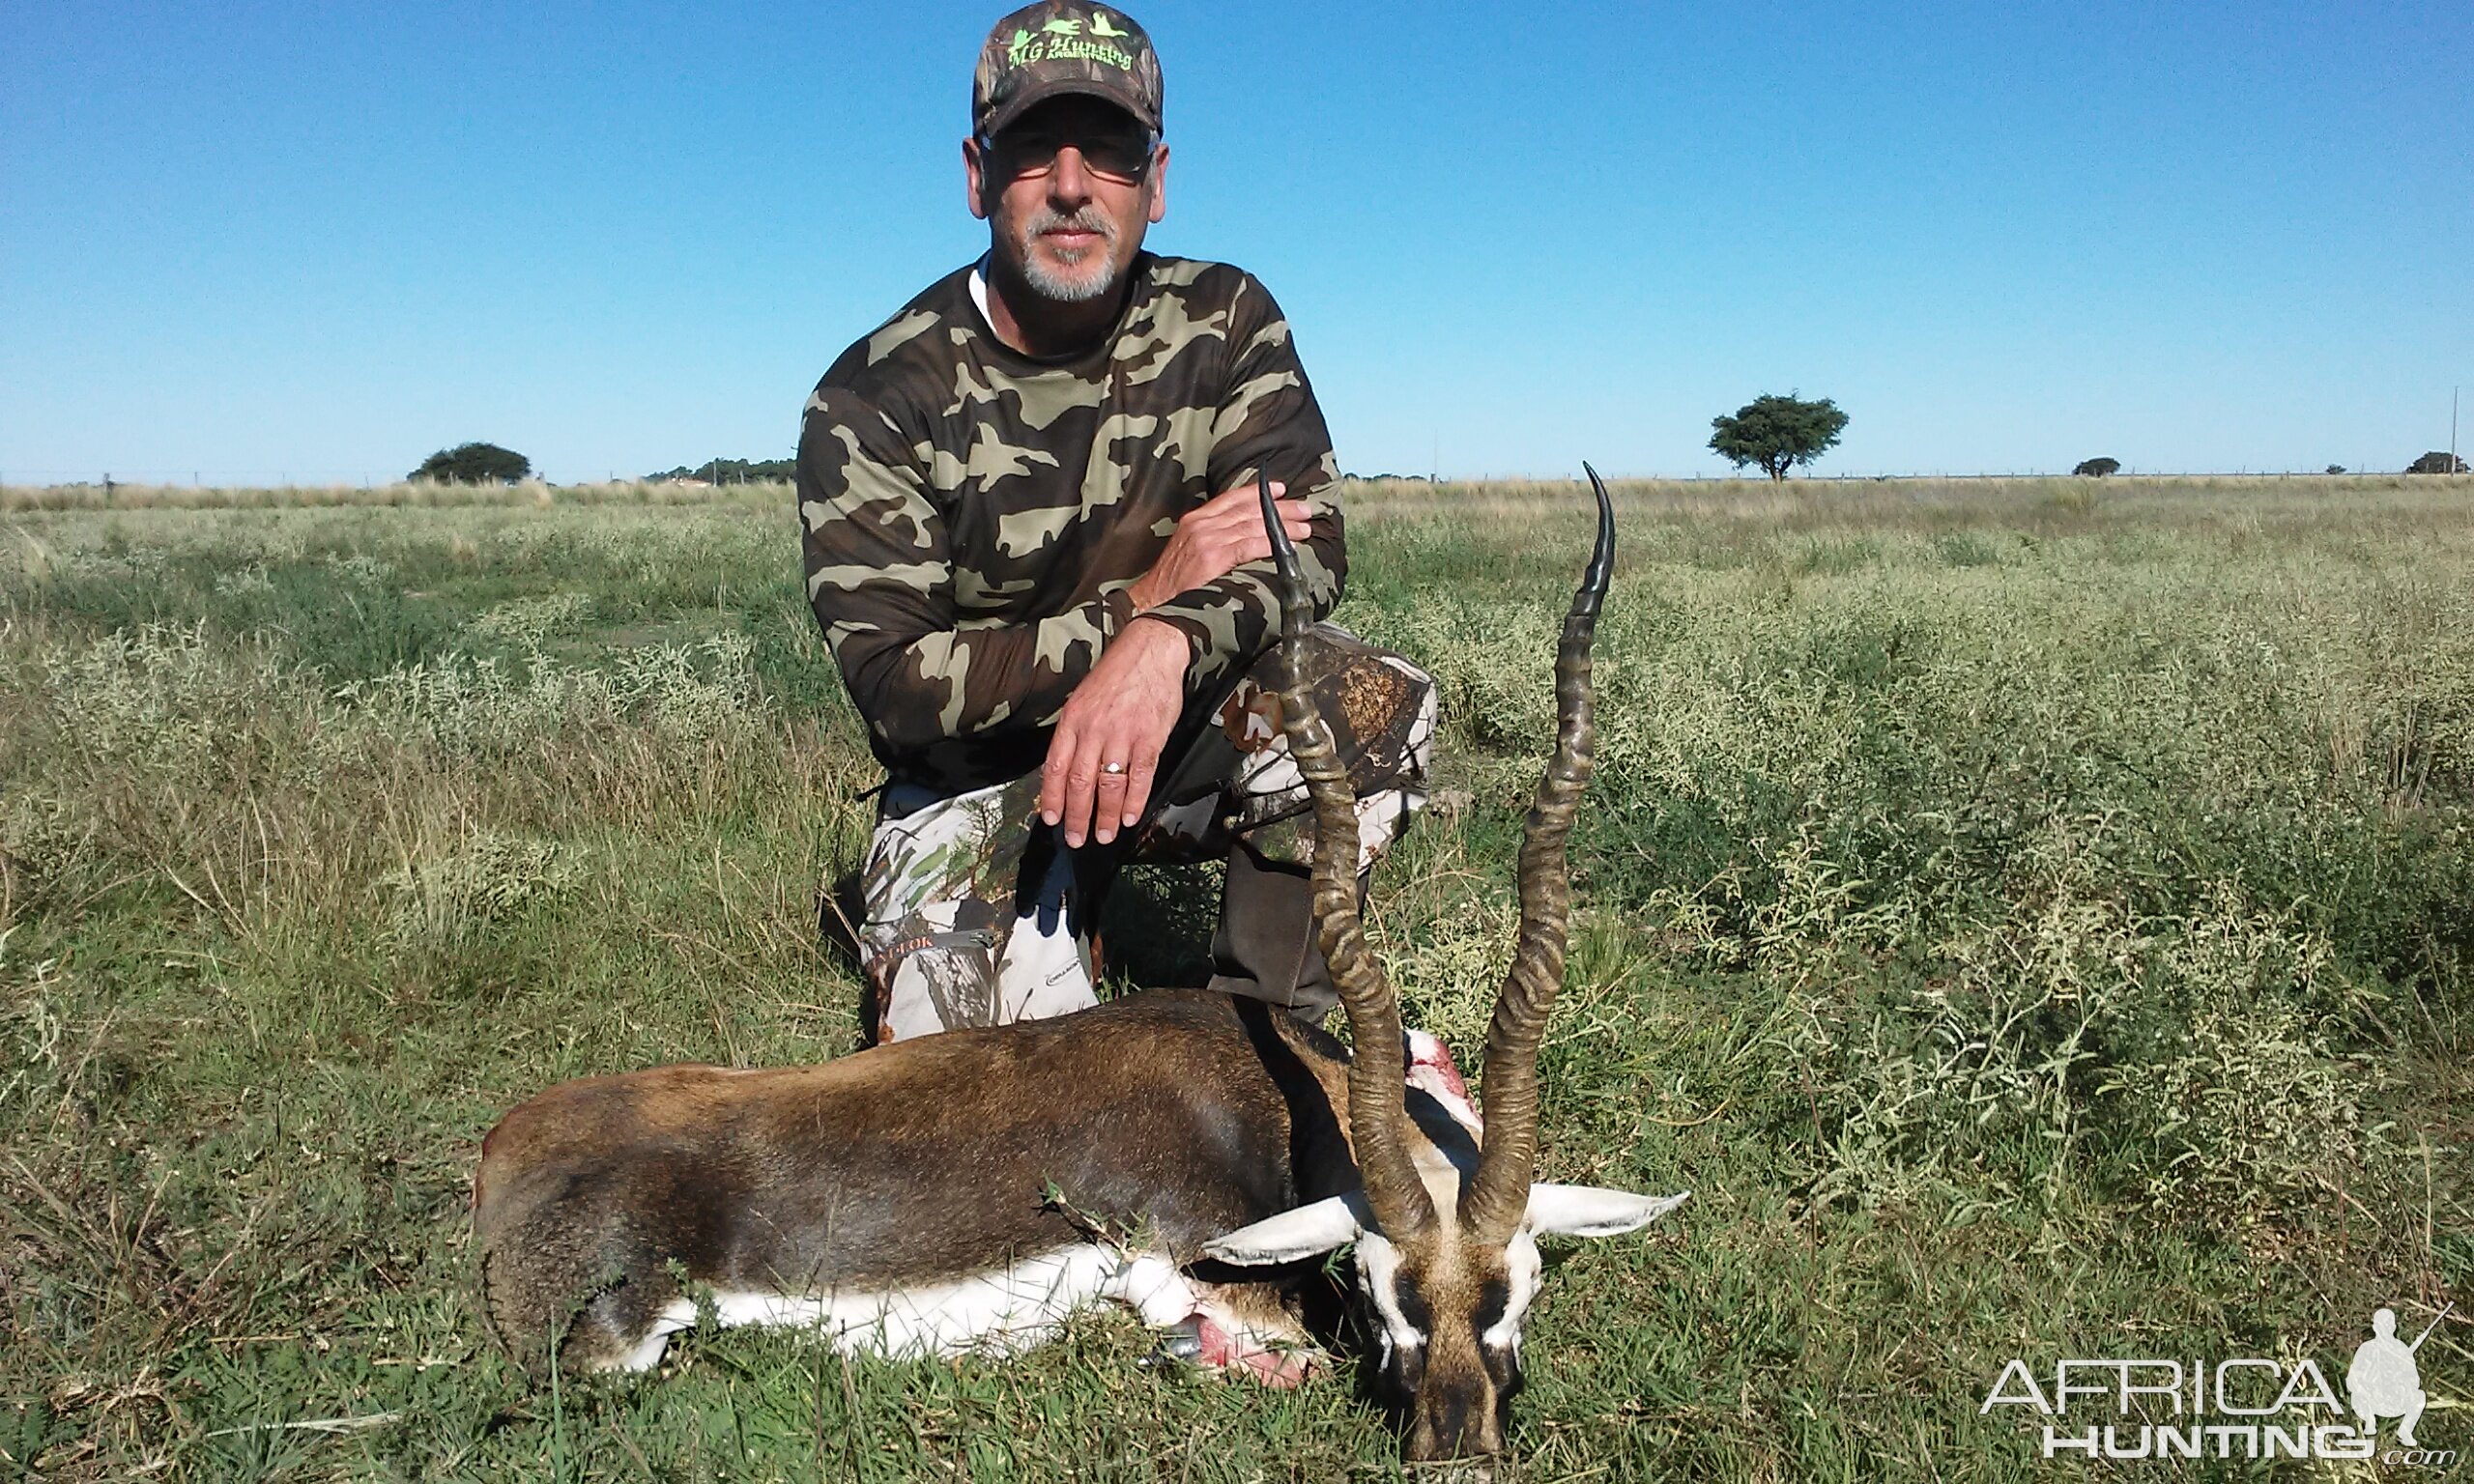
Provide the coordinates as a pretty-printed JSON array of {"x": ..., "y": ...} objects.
[{"x": 1214, "y": 540}]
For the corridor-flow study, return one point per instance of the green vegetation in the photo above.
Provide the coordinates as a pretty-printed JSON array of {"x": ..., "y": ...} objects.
[
  {"x": 1776, "y": 433},
  {"x": 2099, "y": 469},
  {"x": 2031, "y": 925},
  {"x": 473, "y": 464},
  {"x": 734, "y": 470}
]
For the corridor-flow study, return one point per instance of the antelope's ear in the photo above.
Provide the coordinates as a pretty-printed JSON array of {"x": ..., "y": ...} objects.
[
  {"x": 1592, "y": 1210},
  {"x": 1292, "y": 1235}
]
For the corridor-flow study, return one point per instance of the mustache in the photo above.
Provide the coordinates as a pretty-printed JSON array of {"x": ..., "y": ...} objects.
[{"x": 1087, "y": 220}]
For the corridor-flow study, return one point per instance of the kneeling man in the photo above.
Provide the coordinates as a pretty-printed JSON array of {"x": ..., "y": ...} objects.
[{"x": 1031, "y": 535}]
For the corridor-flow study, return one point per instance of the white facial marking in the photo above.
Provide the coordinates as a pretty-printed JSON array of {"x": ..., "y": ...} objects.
[
  {"x": 1521, "y": 1268},
  {"x": 1378, "y": 1262}
]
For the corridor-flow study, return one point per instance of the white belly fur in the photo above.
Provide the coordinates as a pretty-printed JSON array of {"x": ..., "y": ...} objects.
[{"x": 998, "y": 1312}]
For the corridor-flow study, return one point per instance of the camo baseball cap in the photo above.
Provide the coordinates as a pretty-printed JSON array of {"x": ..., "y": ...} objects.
[{"x": 1064, "y": 46}]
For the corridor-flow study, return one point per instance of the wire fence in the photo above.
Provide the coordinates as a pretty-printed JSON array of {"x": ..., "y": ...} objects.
[{"x": 37, "y": 478}]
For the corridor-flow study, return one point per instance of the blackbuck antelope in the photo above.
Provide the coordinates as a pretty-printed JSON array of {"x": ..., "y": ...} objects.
[{"x": 1183, "y": 1152}]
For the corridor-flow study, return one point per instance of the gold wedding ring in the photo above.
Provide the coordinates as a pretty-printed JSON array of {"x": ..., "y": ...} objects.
[{"x": 1113, "y": 767}]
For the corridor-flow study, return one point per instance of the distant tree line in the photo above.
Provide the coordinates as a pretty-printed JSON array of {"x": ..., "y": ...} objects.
[
  {"x": 2432, "y": 462},
  {"x": 733, "y": 470},
  {"x": 1771, "y": 432}
]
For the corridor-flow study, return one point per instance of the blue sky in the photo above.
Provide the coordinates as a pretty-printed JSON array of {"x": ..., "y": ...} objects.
[{"x": 250, "y": 242}]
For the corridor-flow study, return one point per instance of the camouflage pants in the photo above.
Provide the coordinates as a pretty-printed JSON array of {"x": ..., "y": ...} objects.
[{"x": 978, "y": 914}]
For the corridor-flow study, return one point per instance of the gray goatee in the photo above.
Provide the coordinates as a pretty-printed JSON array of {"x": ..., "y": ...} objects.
[{"x": 1089, "y": 272}]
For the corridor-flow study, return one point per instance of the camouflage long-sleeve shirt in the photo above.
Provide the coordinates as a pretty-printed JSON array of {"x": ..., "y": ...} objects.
[{"x": 972, "y": 517}]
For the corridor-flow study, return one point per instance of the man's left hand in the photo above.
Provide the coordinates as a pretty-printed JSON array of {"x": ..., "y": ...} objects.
[{"x": 1121, "y": 713}]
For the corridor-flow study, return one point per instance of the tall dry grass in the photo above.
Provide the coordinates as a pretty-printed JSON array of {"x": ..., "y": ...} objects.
[
  {"x": 2030, "y": 925},
  {"x": 425, "y": 495}
]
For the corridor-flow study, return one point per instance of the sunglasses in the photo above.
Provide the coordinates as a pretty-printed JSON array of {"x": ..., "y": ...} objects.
[{"x": 1118, "y": 156}]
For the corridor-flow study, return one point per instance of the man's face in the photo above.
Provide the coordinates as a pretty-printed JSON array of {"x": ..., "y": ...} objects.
[{"x": 1067, "y": 190}]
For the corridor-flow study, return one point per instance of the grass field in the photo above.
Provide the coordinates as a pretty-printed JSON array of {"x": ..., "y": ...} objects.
[{"x": 2035, "y": 918}]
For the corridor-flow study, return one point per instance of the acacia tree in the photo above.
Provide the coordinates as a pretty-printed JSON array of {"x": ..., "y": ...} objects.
[
  {"x": 1777, "y": 433},
  {"x": 2436, "y": 462},
  {"x": 473, "y": 464},
  {"x": 2098, "y": 468}
]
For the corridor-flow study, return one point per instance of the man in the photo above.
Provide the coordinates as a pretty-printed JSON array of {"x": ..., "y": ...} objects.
[{"x": 1028, "y": 513}]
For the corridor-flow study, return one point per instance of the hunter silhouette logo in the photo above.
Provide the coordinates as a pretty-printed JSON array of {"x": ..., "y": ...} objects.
[{"x": 2383, "y": 1382}]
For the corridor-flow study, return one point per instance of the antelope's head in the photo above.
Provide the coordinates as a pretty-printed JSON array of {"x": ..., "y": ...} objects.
[{"x": 1446, "y": 1253}]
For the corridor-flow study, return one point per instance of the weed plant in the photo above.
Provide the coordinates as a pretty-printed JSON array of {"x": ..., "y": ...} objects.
[{"x": 2034, "y": 920}]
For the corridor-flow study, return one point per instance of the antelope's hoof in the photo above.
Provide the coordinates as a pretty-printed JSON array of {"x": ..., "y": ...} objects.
[{"x": 1180, "y": 1344}]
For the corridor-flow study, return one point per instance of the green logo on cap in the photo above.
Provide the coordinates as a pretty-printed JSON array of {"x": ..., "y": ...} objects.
[{"x": 1063, "y": 38}]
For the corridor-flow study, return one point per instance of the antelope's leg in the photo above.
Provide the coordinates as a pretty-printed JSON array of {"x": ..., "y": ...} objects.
[
  {"x": 1432, "y": 1071},
  {"x": 1243, "y": 1329},
  {"x": 1239, "y": 1328},
  {"x": 1267, "y": 1348}
]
